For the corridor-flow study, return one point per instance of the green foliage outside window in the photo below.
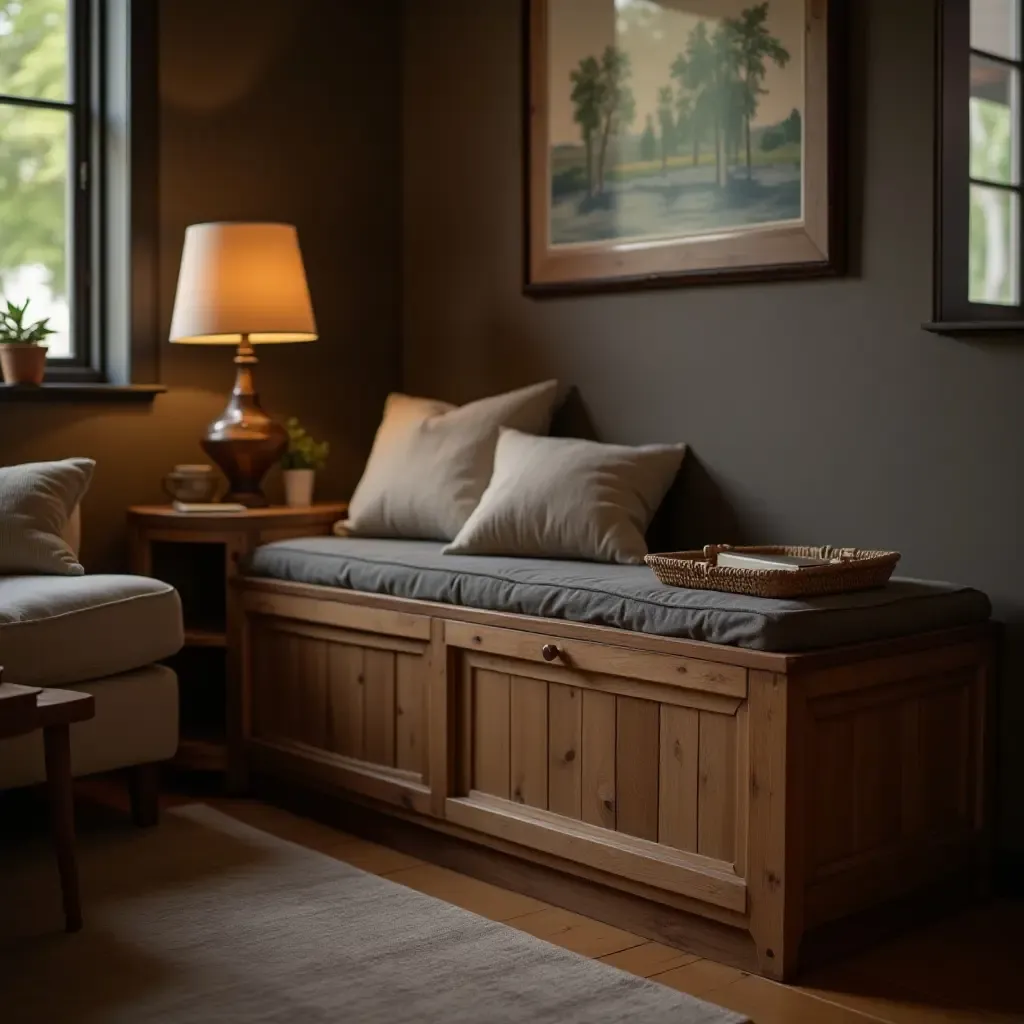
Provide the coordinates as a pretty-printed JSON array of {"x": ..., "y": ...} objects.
[
  {"x": 993, "y": 244},
  {"x": 33, "y": 142}
]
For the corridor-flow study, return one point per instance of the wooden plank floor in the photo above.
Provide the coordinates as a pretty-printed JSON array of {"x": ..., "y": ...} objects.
[{"x": 966, "y": 970}]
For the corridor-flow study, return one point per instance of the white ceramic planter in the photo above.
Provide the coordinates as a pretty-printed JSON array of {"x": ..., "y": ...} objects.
[{"x": 298, "y": 487}]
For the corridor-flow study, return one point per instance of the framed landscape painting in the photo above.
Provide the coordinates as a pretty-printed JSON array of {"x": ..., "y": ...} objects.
[{"x": 679, "y": 141}]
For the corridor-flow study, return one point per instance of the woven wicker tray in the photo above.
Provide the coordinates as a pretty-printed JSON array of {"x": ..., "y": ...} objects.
[{"x": 853, "y": 569}]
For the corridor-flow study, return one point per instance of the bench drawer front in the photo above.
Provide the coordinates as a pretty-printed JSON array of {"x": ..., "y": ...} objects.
[
  {"x": 350, "y": 706},
  {"x": 589, "y": 767},
  {"x": 607, "y": 659}
]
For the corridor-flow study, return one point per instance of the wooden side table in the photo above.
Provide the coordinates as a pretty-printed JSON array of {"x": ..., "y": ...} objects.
[
  {"x": 201, "y": 554},
  {"x": 24, "y": 709}
]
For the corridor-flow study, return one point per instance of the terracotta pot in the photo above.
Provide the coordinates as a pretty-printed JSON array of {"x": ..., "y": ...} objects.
[
  {"x": 23, "y": 364},
  {"x": 298, "y": 487}
]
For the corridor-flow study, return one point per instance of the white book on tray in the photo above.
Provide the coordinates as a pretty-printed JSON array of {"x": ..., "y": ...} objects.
[{"x": 766, "y": 563}]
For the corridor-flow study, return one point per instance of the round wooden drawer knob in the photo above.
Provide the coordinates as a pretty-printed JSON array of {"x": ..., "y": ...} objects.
[{"x": 550, "y": 652}]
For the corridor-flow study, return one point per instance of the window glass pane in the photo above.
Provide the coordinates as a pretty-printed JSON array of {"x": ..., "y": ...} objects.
[
  {"x": 995, "y": 92},
  {"x": 33, "y": 214},
  {"x": 995, "y": 27},
  {"x": 34, "y": 49},
  {"x": 994, "y": 246}
]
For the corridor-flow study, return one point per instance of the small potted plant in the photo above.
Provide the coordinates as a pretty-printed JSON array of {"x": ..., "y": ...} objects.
[
  {"x": 22, "y": 352},
  {"x": 300, "y": 462}
]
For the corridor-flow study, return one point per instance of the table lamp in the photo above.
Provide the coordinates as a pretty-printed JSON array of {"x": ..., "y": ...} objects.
[{"x": 244, "y": 285}]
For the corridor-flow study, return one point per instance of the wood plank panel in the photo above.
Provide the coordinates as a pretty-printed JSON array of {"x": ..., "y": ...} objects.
[
  {"x": 260, "y": 655},
  {"x": 361, "y": 618},
  {"x": 410, "y": 714},
  {"x": 575, "y": 843},
  {"x": 491, "y": 713},
  {"x": 311, "y": 690},
  {"x": 877, "y": 809},
  {"x": 911, "y": 776},
  {"x": 271, "y": 672},
  {"x": 284, "y": 669},
  {"x": 447, "y": 729},
  {"x": 716, "y": 773},
  {"x": 461, "y": 766},
  {"x": 529, "y": 741},
  {"x": 565, "y": 733},
  {"x": 677, "y": 785},
  {"x": 945, "y": 738},
  {"x": 608, "y": 658},
  {"x": 379, "y": 706},
  {"x": 637, "y": 756},
  {"x": 778, "y": 769},
  {"x": 598, "y": 751},
  {"x": 830, "y": 767},
  {"x": 659, "y": 693},
  {"x": 345, "y": 700}
]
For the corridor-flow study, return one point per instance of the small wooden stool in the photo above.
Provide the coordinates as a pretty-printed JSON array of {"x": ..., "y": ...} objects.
[{"x": 24, "y": 709}]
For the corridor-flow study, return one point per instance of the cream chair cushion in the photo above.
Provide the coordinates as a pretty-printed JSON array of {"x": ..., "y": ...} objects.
[
  {"x": 56, "y": 630},
  {"x": 553, "y": 497},
  {"x": 431, "y": 461},
  {"x": 136, "y": 722}
]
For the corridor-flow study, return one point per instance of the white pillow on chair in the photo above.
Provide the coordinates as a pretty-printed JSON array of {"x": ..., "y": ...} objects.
[{"x": 37, "y": 504}]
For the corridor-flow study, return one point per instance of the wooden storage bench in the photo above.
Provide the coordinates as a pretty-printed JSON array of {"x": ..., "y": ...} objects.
[
  {"x": 769, "y": 793},
  {"x": 759, "y": 796}
]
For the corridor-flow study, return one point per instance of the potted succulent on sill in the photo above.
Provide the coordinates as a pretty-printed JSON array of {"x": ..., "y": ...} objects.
[
  {"x": 22, "y": 354},
  {"x": 300, "y": 462}
]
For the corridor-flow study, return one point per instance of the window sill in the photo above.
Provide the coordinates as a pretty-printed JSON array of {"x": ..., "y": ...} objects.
[
  {"x": 80, "y": 392},
  {"x": 975, "y": 328}
]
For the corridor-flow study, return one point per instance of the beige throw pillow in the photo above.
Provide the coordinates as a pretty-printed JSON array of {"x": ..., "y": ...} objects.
[
  {"x": 564, "y": 498},
  {"x": 431, "y": 461},
  {"x": 37, "y": 500}
]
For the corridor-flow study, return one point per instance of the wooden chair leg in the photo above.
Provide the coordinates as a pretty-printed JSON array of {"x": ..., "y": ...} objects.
[
  {"x": 144, "y": 790},
  {"x": 57, "y": 748}
]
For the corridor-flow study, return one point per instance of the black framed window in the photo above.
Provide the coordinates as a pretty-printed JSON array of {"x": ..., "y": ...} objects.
[
  {"x": 45, "y": 172},
  {"x": 980, "y": 190},
  {"x": 78, "y": 182}
]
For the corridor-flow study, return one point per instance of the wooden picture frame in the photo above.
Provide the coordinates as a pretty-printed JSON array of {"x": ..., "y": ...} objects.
[{"x": 806, "y": 242}]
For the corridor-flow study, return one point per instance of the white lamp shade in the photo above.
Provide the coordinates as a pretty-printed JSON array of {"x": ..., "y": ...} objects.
[{"x": 242, "y": 279}]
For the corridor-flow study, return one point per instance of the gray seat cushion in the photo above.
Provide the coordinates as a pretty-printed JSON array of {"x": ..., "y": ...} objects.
[
  {"x": 56, "y": 630},
  {"x": 622, "y": 596}
]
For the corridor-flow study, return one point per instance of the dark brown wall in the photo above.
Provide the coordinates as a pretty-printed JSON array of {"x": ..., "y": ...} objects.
[
  {"x": 269, "y": 111},
  {"x": 818, "y": 412}
]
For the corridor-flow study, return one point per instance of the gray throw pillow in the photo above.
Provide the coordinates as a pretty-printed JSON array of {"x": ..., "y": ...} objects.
[
  {"x": 431, "y": 461},
  {"x": 555, "y": 497},
  {"x": 37, "y": 500}
]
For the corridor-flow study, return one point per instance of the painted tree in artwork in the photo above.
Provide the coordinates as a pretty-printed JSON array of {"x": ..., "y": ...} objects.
[
  {"x": 587, "y": 99},
  {"x": 33, "y": 142},
  {"x": 723, "y": 69},
  {"x": 648, "y": 141},
  {"x": 618, "y": 105},
  {"x": 694, "y": 72},
  {"x": 706, "y": 72},
  {"x": 668, "y": 129},
  {"x": 753, "y": 47}
]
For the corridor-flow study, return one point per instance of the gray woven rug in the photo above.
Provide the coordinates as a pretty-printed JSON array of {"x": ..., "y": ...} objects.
[{"x": 207, "y": 920}]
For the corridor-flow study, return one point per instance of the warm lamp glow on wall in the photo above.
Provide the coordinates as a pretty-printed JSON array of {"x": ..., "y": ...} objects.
[{"x": 244, "y": 285}]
